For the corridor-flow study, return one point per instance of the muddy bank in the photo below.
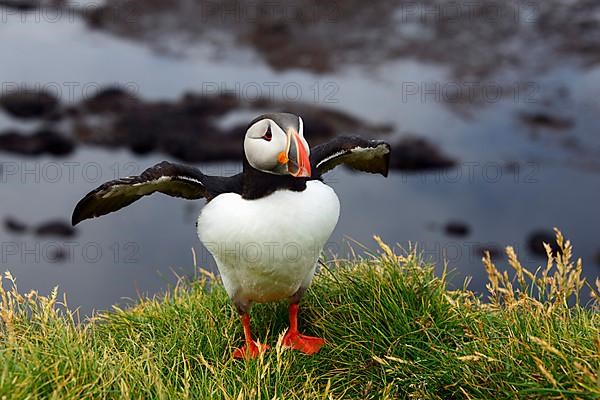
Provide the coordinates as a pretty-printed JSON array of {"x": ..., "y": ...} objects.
[
  {"x": 26, "y": 103},
  {"x": 474, "y": 39},
  {"x": 191, "y": 128},
  {"x": 42, "y": 142}
]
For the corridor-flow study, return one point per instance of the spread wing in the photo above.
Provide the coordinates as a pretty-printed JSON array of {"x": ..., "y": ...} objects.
[
  {"x": 171, "y": 179},
  {"x": 361, "y": 154}
]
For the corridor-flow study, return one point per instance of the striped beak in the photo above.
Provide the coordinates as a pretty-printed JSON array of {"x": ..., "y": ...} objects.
[{"x": 296, "y": 158}]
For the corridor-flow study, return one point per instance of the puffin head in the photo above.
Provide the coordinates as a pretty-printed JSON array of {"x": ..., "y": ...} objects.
[{"x": 275, "y": 144}]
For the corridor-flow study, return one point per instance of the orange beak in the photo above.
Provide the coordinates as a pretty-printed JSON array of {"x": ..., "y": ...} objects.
[
  {"x": 302, "y": 157},
  {"x": 296, "y": 157}
]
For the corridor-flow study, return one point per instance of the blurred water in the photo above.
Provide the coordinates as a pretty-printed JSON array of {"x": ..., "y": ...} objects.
[{"x": 512, "y": 179}]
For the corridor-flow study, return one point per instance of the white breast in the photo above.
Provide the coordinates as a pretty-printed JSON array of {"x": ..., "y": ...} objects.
[{"x": 267, "y": 248}]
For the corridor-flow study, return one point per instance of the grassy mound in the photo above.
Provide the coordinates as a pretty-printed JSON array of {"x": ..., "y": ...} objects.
[{"x": 393, "y": 327}]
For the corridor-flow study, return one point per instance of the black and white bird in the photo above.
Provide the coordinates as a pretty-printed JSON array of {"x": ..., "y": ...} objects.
[{"x": 265, "y": 227}]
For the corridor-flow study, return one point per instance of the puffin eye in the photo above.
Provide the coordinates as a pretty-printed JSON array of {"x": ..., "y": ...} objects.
[{"x": 268, "y": 135}]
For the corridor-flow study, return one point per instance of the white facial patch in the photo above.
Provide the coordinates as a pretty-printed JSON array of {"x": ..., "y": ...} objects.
[{"x": 261, "y": 153}]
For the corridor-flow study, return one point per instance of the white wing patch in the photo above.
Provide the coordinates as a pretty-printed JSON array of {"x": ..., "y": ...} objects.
[
  {"x": 143, "y": 188},
  {"x": 367, "y": 153},
  {"x": 331, "y": 157},
  {"x": 187, "y": 178},
  {"x": 170, "y": 179}
]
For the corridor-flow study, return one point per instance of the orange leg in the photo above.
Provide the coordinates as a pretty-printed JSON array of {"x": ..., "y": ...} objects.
[
  {"x": 251, "y": 349},
  {"x": 296, "y": 341}
]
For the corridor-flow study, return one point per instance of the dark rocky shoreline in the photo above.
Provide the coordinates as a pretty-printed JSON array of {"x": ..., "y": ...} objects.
[{"x": 187, "y": 129}]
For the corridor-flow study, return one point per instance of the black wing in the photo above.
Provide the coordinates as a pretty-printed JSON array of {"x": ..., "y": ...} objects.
[
  {"x": 171, "y": 179},
  {"x": 361, "y": 154}
]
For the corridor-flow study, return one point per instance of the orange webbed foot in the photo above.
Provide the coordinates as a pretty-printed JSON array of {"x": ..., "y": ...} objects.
[
  {"x": 303, "y": 343},
  {"x": 250, "y": 350}
]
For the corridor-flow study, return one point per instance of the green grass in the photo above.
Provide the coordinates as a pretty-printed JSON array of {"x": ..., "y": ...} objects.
[{"x": 393, "y": 327}]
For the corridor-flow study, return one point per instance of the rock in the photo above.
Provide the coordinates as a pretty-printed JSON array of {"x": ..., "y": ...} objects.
[
  {"x": 547, "y": 121},
  {"x": 54, "y": 143},
  {"x": 43, "y": 142},
  {"x": 58, "y": 254},
  {"x": 111, "y": 100},
  {"x": 207, "y": 105},
  {"x": 21, "y": 5},
  {"x": 55, "y": 228},
  {"x": 418, "y": 154},
  {"x": 536, "y": 239},
  {"x": 28, "y": 5},
  {"x": 457, "y": 228},
  {"x": 29, "y": 104},
  {"x": 13, "y": 225},
  {"x": 494, "y": 249},
  {"x": 511, "y": 167}
]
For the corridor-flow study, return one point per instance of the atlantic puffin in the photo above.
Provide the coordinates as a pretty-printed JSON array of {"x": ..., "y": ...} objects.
[{"x": 266, "y": 226}]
